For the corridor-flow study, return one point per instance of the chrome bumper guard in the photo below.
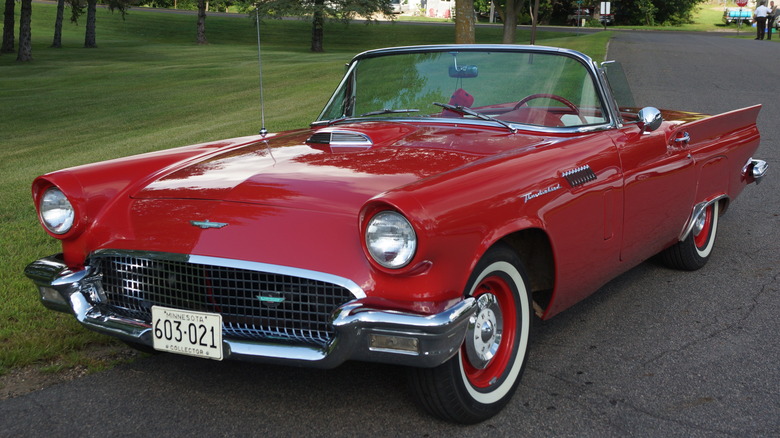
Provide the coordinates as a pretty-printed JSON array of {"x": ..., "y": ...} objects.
[
  {"x": 755, "y": 169},
  {"x": 362, "y": 332}
]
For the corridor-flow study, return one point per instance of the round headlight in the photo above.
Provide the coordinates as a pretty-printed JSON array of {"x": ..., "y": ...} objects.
[
  {"x": 56, "y": 211},
  {"x": 390, "y": 239}
]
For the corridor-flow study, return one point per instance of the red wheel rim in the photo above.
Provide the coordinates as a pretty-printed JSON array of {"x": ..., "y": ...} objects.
[
  {"x": 703, "y": 236},
  {"x": 492, "y": 373}
]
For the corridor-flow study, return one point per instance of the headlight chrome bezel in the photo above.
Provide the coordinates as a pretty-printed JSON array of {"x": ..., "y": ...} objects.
[
  {"x": 56, "y": 211},
  {"x": 390, "y": 239}
]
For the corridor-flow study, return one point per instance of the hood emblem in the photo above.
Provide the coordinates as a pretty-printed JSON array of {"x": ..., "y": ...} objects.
[
  {"x": 208, "y": 224},
  {"x": 271, "y": 300}
]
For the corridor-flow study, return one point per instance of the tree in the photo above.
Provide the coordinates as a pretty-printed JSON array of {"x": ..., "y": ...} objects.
[
  {"x": 675, "y": 12},
  {"x": 464, "y": 22},
  {"x": 201, "y": 26},
  {"x": 320, "y": 10},
  {"x": 512, "y": 9},
  {"x": 510, "y": 12},
  {"x": 25, "y": 32},
  {"x": 57, "y": 40},
  {"x": 90, "y": 33},
  {"x": 8, "y": 28},
  {"x": 635, "y": 12}
]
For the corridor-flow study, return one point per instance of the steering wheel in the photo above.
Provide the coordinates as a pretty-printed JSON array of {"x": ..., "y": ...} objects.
[{"x": 560, "y": 99}]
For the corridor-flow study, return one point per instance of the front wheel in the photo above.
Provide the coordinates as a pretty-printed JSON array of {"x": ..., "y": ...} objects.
[{"x": 480, "y": 379}]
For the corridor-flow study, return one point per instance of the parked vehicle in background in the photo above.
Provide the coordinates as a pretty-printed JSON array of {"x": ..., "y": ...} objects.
[
  {"x": 578, "y": 17},
  {"x": 735, "y": 15}
]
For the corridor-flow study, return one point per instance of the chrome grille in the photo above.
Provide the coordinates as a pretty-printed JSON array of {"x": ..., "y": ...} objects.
[{"x": 254, "y": 305}]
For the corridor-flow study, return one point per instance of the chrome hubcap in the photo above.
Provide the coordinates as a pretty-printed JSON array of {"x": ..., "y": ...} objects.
[
  {"x": 484, "y": 332},
  {"x": 698, "y": 224}
]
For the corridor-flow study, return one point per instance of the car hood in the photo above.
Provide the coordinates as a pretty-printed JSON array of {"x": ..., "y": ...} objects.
[{"x": 289, "y": 170}]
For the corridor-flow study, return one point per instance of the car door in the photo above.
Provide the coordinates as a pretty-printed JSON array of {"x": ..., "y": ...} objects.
[{"x": 659, "y": 188}]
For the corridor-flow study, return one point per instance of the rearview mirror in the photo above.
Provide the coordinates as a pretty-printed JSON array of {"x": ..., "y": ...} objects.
[{"x": 465, "y": 71}]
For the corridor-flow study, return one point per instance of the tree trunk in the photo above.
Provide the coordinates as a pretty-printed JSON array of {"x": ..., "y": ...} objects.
[
  {"x": 202, "y": 22},
  {"x": 510, "y": 20},
  {"x": 57, "y": 41},
  {"x": 317, "y": 27},
  {"x": 90, "y": 37},
  {"x": 25, "y": 33},
  {"x": 534, "y": 21},
  {"x": 8, "y": 28},
  {"x": 464, "y": 22}
]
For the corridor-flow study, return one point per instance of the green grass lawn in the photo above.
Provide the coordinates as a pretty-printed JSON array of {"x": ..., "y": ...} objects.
[
  {"x": 149, "y": 87},
  {"x": 707, "y": 18}
]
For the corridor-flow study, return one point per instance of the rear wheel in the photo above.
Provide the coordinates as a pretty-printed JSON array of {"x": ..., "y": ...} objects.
[
  {"x": 480, "y": 379},
  {"x": 693, "y": 252}
]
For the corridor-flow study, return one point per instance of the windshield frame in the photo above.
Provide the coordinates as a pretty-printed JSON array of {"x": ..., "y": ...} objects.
[{"x": 594, "y": 72}]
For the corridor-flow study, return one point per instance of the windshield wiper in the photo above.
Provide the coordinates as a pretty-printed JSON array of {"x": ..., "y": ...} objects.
[
  {"x": 466, "y": 110},
  {"x": 336, "y": 120},
  {"x": 371, "y": 113},
  {"x": 388, "y": 111}
]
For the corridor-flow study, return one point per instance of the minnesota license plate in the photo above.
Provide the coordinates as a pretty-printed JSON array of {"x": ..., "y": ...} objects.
[{"x": 184, "y": 332}]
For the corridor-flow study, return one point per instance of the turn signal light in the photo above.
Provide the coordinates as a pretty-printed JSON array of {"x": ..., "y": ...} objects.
[{"x": 394, "y": 344}]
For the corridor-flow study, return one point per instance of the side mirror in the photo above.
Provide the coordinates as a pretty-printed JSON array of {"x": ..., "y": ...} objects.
[{"x": 649, "y": 119}]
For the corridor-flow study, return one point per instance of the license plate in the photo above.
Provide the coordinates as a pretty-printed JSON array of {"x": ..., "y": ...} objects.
[{"x": 184, "y": 332}]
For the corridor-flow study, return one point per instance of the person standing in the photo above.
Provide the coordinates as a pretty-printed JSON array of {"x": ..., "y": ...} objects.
[
  {"x": 770, "y": 19},
  {"x": 760, "y": 16}
]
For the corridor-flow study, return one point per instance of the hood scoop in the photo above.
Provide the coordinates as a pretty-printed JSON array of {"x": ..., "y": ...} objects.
[{"x": 341, "y": 139}]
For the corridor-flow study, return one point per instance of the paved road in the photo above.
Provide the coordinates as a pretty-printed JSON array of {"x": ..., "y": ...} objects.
[{"x": 654, "y": 353}]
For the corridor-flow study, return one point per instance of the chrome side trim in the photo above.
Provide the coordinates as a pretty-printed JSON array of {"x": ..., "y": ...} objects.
[{"x": 698, "y": 209}]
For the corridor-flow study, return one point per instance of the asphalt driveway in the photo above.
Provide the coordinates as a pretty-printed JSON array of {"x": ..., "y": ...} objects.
[{"x": 655, "y": 352}]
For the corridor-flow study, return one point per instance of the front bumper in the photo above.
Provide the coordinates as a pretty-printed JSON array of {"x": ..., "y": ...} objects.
[{"x": 362, "y": 332}]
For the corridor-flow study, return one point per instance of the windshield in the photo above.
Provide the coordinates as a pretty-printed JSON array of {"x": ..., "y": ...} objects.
[{"x": 532, "y": 88}]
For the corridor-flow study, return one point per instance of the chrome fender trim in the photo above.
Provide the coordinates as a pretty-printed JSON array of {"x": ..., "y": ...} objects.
[{"x": 698, "y": 210}]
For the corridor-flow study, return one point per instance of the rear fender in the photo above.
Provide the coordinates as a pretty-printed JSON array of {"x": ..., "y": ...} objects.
[{"x": 720, "y": 146}]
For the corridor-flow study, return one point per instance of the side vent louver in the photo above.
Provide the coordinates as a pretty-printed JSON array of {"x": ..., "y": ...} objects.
[
  {"x": 579, "y": 176},
  {"x": 341, "y": 138},
  {"x": 320, "y": 138}
]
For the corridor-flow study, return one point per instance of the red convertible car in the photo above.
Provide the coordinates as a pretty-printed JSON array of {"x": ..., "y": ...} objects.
[{"x": 444, "y": 197}]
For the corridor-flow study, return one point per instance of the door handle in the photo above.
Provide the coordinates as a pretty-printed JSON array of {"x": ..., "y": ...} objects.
[{"x": 684, "y": 139}]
